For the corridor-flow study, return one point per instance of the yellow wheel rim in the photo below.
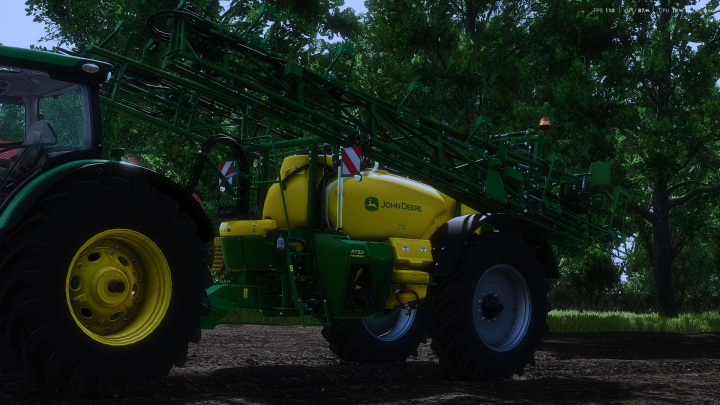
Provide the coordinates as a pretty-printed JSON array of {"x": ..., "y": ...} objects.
[{"x": 118, "y": 287}]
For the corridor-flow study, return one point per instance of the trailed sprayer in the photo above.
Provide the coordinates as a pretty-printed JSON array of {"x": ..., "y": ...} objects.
[{"x": 344, "y": 211}]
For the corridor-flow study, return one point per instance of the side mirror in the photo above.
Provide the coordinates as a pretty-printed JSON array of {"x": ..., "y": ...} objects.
[{"x": 117, "y": 154}]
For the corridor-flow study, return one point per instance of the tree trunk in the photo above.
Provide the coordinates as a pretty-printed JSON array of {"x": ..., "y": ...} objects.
[
  {"x": 663, "y": 252},
  {"x": 683, "y": 293},
  {"x": 471, "y": 12}
]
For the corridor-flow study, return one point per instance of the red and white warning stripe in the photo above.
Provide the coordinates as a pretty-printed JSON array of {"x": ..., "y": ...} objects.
[
  {"x": 351, "y": 160},
  {"x": 226, "y": 168}
]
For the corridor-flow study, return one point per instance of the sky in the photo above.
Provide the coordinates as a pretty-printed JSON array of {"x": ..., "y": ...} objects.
[{"x": 17, "y": 29}]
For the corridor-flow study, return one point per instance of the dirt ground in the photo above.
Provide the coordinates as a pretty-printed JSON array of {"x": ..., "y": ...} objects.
[{"x": 257, "y": 364}]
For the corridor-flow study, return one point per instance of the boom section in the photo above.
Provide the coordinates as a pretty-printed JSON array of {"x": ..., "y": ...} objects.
[{"x": 199, "y": 79}]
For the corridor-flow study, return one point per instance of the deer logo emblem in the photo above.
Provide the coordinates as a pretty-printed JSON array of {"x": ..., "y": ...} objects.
[{"x": 372, "y": 204}]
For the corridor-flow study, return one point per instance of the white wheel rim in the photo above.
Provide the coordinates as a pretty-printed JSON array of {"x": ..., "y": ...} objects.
[
  {"x": 501, "y": 327},
  {"x": 392, "y": 327}
]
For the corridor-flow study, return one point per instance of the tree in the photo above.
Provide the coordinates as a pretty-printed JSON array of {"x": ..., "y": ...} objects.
[
  {"x": 674, "y": 111},
  {"x": 298, "y": 25},
  {"x": 657, "y": 109},
  {"x": 590, "y": 281},
  {"x": 468, "y": 54},
  {"x": 76, "y": 22}
]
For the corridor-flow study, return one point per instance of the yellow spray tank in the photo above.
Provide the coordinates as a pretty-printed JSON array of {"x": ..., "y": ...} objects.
[
  {"x": 296, "y": 189},
  {"x": 383, "y": 205},
  {"x": 380, "y": 206}
]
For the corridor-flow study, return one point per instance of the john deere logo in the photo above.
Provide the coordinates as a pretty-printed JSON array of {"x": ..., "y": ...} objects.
[{"x": 372, "y": 204}]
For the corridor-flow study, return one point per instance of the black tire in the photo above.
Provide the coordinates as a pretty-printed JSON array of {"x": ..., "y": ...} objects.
[
  {"x": 39, "y": 331},
  {"x": 508, "y": 348},
  {"x": 353, "y": 341},
  {"x": 7, "y": 364}
]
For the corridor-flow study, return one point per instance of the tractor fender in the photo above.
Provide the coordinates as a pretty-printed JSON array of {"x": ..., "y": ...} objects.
[
  {"x": 19, "y": 202},
  {"x": 450, "y": 239}
]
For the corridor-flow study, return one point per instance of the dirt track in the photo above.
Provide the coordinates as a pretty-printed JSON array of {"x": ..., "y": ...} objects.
[{"x": 254, "y": 364}]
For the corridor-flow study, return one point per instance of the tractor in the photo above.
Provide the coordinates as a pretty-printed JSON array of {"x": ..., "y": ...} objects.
[{"x": 103, "y": 263}]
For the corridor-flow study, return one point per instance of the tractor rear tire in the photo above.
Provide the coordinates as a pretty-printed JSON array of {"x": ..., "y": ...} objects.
[
  {"x": 378, "y": 339},
  {"x": 143, "y": 261},
  {"x": 7, "y": 364},
  {"x": 489, "y": 315}
]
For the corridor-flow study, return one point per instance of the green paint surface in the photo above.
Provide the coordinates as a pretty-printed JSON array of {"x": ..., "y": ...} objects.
[
  {"x": 335, "y": 257},
  {"x": 38, "y": 56},
  {"x": 23, "y": 195}
]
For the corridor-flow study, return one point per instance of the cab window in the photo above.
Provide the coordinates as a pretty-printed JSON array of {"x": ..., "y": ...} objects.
[{"x": 65, "y": 112}]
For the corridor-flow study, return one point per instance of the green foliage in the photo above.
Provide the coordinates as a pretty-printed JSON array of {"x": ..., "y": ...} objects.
[
  {"x": 468, "y": 57},
  {"x": 632, "y": 90},
  {"x": 76, "y": 22},
  {"x": 577, "y": 321},
  {"x": 696, "y": 271},
  {"x": 12, "y": 121},
  {"x": 590, "y": 281},
  {"x": 295, "y": 34},
  {"x": 65, "y": 113}
]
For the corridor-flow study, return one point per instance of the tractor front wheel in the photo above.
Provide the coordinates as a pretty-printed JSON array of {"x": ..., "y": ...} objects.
[{"x": 103, "y": 287}]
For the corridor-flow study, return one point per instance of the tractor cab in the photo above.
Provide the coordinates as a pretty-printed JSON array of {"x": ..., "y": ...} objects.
[{"x": 48, "y": 108}]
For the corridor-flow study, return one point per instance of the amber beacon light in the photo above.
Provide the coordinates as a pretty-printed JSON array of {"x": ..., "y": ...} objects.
[{"x": 544, "y": 123}]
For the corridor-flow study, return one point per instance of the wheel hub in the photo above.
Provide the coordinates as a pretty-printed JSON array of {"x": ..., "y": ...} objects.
[
  {"x": 501, "y": 307},
  {"x": 118, "y": 287},
  {"x": 98, "y": 292},
  {"x": 491, "y": 307}
]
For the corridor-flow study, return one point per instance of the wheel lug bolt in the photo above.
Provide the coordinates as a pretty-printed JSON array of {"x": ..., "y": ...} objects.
[
  {"x": 134, "y": 261},
  {"x": 138, "y": 302},
  {"x": 77, "y": 299},
  {"x": 99, "y": 244},
  {"x": 117, "y": 247},
  {"x": 125, "y": 319},
  {"x": 87, "y": 326},
  {"x": 483, "y": 318},
  {"x": 141, "y": 280},
  {"x": 107, "y": 328},
  {"x": 132, "y": 307},
  {"x": 111, "y": 252},
  {"x": 494, "y": 319},
  {"x": 484, "y": 294}
]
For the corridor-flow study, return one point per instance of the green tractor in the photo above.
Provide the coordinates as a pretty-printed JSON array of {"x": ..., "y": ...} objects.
[
  {"x": 103, "y": 274},
  {"x": 346, "y": 212}
]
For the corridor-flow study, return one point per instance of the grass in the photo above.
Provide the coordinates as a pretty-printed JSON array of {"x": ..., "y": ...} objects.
[
  {"x": 560, "y": 321},
  {"x": 588, "y": 321}
]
